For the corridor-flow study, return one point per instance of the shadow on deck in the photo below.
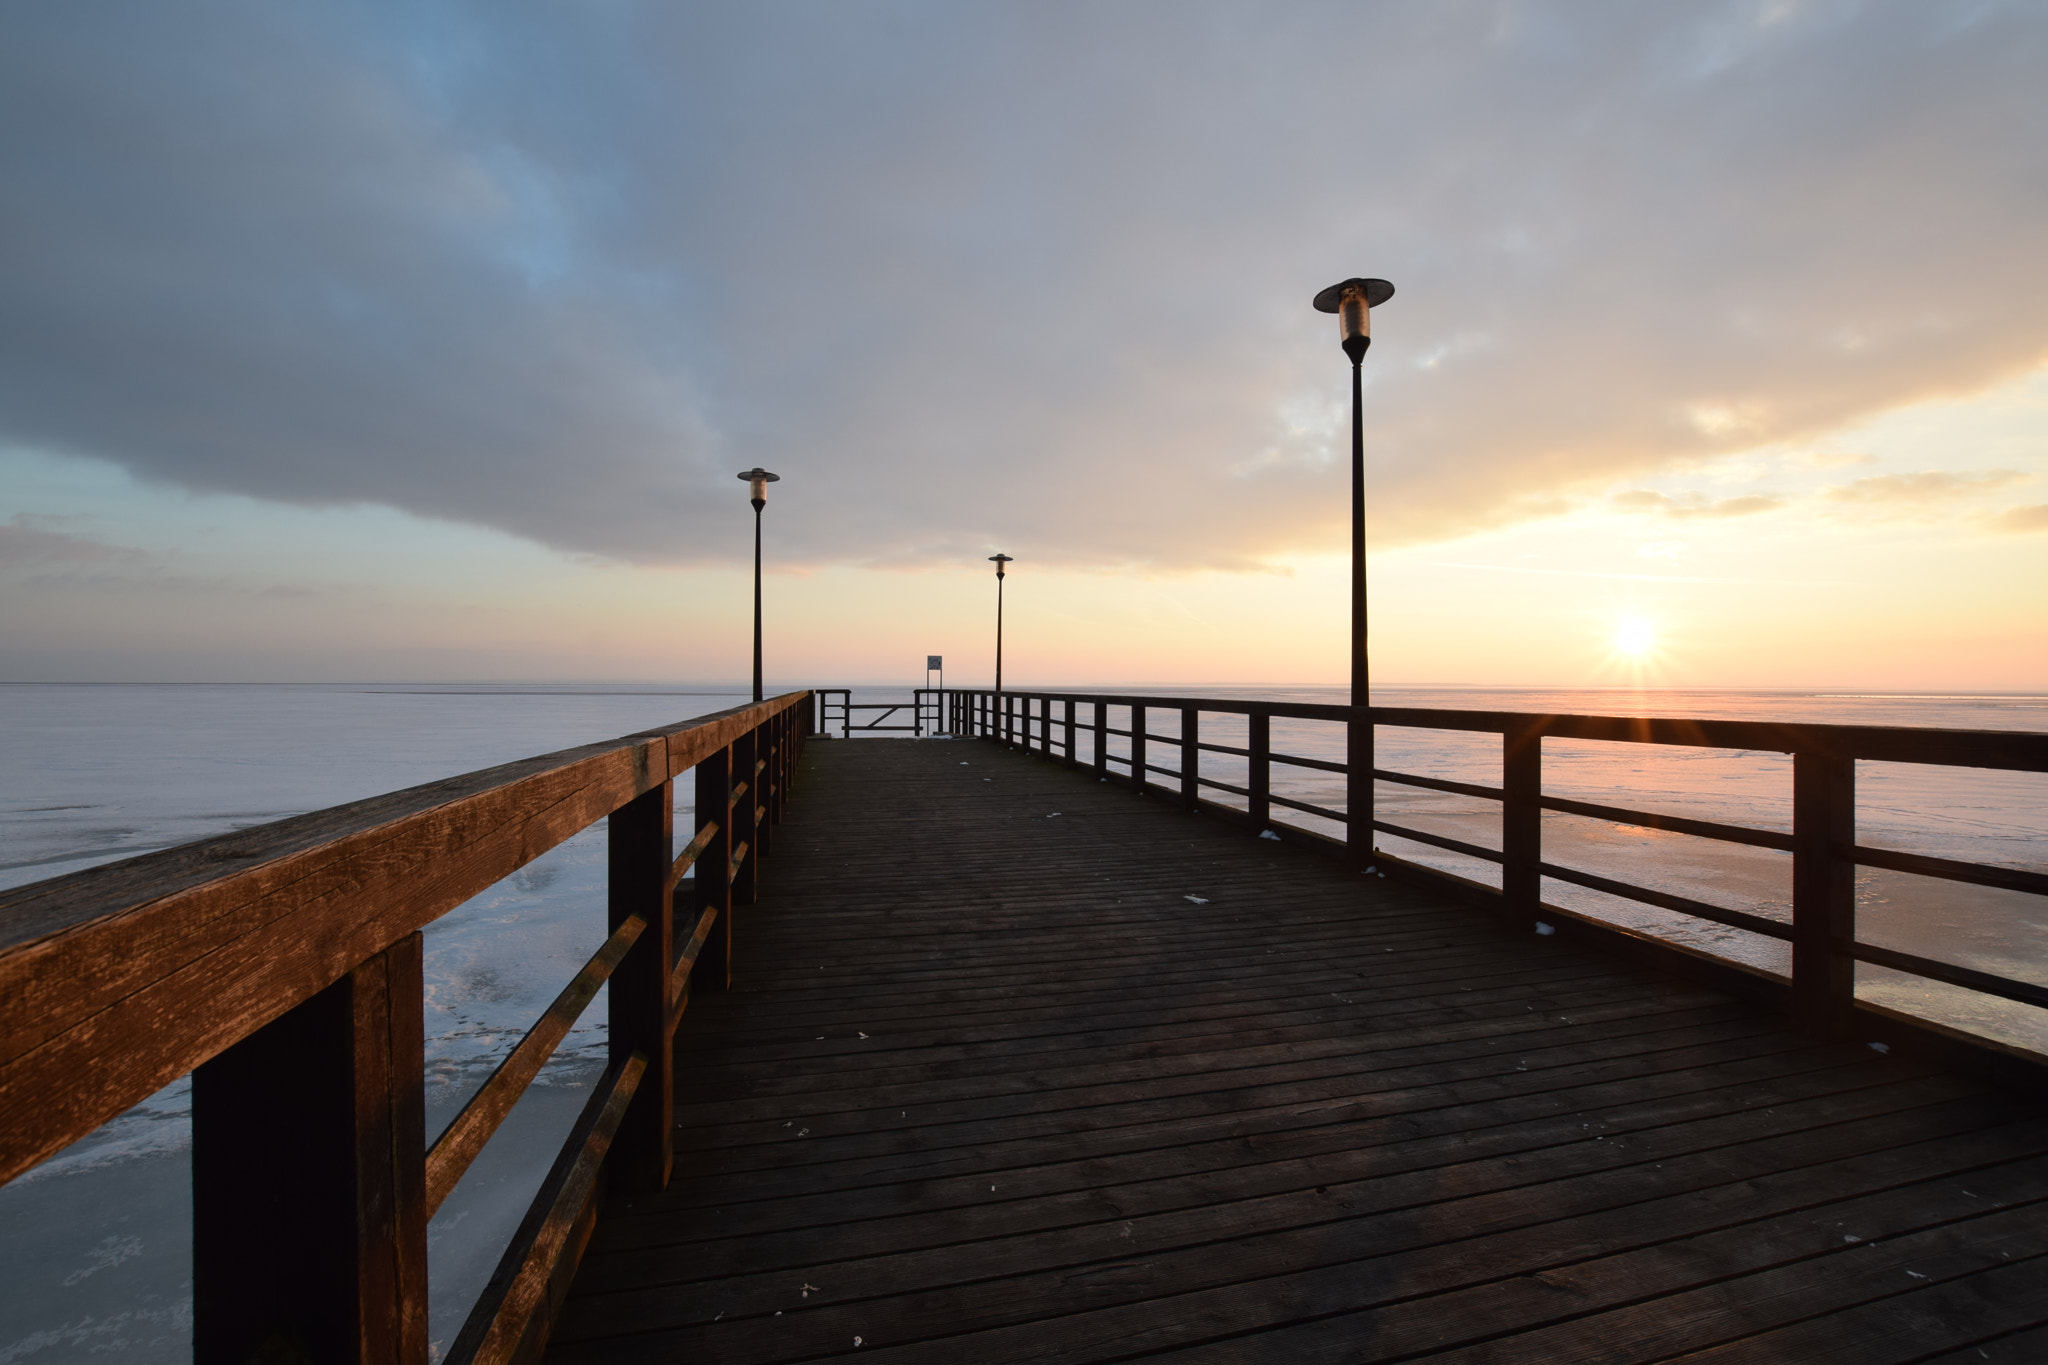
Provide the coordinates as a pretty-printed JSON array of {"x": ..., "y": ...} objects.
[{"x": 1023, "y": 1067}]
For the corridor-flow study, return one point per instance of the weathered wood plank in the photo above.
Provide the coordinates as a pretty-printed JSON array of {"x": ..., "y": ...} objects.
[{"x": 131, "y": 974}]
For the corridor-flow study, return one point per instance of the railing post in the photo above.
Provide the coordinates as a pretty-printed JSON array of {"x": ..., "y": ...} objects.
[
  {"x": 1823, "y": 893},
  {"x": 309, "y": 1225},
  {"x": 713, "y": 971},
  {"x": 639, "y": 838},
  {"x": 1521, "y": 822},
  {"x": 1072, "y": 759},
  {"x": 1138, "y": 748},
  {"x": 1358, "y": 766},
  {"x": 767, "y": 787},
  {"x": 778, "y": 732},
  {"x": 1261, "y": 776},
  {"x": 1190, "y": 757},
  {"x": 745, "y": 827},
  {"x": 1102, "y": 739}
]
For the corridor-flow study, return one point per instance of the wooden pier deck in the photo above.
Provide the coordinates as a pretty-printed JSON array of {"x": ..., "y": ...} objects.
[{"x": 1020, "y": 1066}]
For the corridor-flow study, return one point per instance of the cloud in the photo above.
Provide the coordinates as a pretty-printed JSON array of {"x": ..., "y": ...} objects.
[
  {"x": 1917, "y": 490},
  {"x": 2022, "y": 520},
  {"x": 1695, "y": 505},
  {"x": 24, "y": 540},
  {"x": 1020, "y": 276}
]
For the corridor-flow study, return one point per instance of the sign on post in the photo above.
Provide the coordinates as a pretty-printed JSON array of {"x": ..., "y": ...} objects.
[{"x": 933, "y": 661}]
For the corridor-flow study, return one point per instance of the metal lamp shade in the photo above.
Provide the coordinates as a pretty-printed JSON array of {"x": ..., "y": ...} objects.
[{"x": 1352, "y": 301}]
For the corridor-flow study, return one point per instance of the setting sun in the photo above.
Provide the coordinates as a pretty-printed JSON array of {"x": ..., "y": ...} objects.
[{"x": 1634, "y": 636}]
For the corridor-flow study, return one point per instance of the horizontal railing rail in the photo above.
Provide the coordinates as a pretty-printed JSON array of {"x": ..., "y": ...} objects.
[
  {"x": 837, "y": 707},
  {"x": 281, "y": 966},
  {"x": 1825, "y": 853}
]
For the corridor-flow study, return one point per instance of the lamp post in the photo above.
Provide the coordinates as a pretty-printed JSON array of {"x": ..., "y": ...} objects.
[
  {"x": 999, "y": 561},
  {"x": 757, "y": 479},
  {"x": 1352, "y": 301}
]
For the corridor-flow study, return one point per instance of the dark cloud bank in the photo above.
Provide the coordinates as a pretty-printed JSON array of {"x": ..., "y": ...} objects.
[{"x": 1033, "y": 275}]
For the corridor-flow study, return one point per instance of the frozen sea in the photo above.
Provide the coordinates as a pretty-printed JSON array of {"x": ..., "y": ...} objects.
[{"x": 94, "y": 1244}]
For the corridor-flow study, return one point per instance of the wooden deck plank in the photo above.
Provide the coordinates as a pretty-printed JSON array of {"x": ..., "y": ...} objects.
[{"x": 1314, "y": 1118}]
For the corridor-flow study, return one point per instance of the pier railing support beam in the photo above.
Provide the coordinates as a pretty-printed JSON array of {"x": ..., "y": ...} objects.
[
  {"x": 639, "y": 837},
  {"x": 1260, "y": 776},
  {"x": 713, "y": 971},
  {"x": 1358, "y": 763},
  {"x": 1823, "y": 893},
  {"x": 745, "y": 828},
  {"x": 309, "y": 1236},
  {"x": 1521, "y": 824}
]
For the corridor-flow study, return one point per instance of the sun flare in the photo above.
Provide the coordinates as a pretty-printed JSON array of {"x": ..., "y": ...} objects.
[{"x": 1634, "y": 637}]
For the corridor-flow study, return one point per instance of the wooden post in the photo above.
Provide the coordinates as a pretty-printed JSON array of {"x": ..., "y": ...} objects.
[
  {"x": 1261, "y": 775},
  {"x": 768, "y": 787},
  {"x": 639, "y": 836},
  {"x": 784, "y": 748},
  {"x": 746, "y": 879},
  {"x": 1521, "y": 823},
  {"x": 309, "y": 1226},
  {"x": 1358, "y": 766},
  {"x": 1138, "y": 747},
  {"x": 1102, "y": 739},
  {"x": 713, "y": 971},
  {"x": 1823, "y": 893},
  {"x": 1190, "y": 757},
  {"x": 1072, "y": 758}
]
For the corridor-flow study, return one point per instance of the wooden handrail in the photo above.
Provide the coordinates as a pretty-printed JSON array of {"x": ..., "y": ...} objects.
[
  {"x": 1825, "y": 853},
  {"x": 2013, "y": 750},
  {"x": 281, "y": 965},
  {"x": 117, "y": 980}
]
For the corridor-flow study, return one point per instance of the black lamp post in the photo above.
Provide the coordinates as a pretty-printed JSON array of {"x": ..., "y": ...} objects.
[
  {"x": 1352, "y": 301},
  {"x": 999, "y": 561},
  {"x": 758, "y": 480}
]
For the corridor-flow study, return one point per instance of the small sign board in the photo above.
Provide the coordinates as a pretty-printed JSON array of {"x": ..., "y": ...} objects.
[{"x": 932, "y": 661}]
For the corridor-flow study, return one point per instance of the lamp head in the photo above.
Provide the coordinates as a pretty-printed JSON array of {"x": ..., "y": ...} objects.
[
  {"x": 999, "y": 561},
  {"x": 1352, "y": 301},
  {"x": 758, "y": 480}
]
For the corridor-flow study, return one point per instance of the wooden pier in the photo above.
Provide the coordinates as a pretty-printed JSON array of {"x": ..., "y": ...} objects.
[
  {"x": 1020, "y": 1066},
  {"x": 1024, "y": 1046}
]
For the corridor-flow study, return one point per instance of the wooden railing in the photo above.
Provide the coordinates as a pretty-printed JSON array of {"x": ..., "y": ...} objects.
[
  {"x": 281, "y": 967},
  {"x": 921, "y": 715},
  {"x": 1822, "y": 842}
]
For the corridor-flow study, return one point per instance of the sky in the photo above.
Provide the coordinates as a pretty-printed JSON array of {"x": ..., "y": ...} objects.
[{"x": 422, "y": 341}]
